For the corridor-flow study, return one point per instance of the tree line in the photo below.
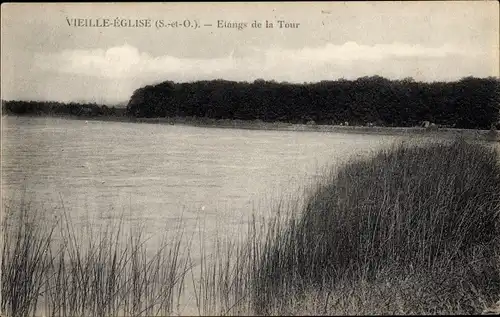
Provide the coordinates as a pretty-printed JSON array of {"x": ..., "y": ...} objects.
[
  {"x": 467, "y": 103},
  {"x": 59, "y": 108},
  {"x": 471, "y": 102}
]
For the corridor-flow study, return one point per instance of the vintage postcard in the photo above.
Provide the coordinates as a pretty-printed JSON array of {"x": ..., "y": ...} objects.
[{"x": 250, "y": 158}]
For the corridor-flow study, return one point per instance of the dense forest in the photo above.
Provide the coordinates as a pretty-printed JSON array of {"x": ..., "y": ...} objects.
[{"x": 469, "y": 103}]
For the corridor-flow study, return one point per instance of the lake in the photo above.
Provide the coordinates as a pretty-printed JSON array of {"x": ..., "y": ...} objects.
[
  {"x": 155, "y": 174},
  {"x": 208, "y": 180}
]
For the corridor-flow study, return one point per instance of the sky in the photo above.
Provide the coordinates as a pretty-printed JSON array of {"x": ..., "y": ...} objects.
[{"x": 44, "y": 56}]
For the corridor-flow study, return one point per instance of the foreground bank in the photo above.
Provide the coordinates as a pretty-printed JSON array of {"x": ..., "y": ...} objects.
[{"x": 412, "y": 230}]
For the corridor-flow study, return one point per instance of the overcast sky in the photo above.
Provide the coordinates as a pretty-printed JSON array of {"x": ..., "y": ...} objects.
[{"x": 45, "y": 58}]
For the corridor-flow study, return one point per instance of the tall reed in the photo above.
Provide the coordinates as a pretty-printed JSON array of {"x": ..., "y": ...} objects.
[
  {"x": 423, "y": 212},
  {"x": 49, "y": 269}
]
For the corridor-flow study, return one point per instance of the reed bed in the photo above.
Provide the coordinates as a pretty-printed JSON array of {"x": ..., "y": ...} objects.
[
  {"x": 49, "y": 269},
  {"x": 423, "y": 218}
]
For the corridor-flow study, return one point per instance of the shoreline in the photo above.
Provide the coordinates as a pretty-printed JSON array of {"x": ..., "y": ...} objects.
[{"x": 483, "y": 135}]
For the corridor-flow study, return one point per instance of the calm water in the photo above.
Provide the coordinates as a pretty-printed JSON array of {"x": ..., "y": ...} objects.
[{"x": 155, "y": 174}]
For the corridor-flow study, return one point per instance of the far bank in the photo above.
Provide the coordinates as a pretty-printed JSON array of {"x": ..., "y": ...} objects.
[{"x": 471, "y": 134}]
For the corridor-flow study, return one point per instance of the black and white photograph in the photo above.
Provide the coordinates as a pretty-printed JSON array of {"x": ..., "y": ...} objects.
[{"x": 250, "y": 158}]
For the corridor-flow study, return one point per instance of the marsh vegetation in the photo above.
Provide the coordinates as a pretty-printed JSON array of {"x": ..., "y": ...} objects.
[{"x": 413, "y": 229}]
